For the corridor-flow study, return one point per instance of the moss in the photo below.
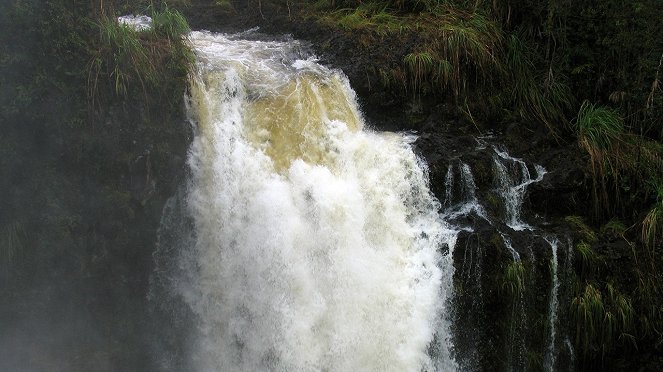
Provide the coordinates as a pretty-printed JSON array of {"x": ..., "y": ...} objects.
[
  {"x": 497, "y": 242},
  {"x": 494, "y": 201}
]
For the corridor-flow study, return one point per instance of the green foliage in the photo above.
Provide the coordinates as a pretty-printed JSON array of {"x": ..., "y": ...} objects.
[
  {"x": 422, "y": 64},
  {"x": 373, "y": 17},
  {"x": 225, "y": 5},
  {"x": 459, "y": 48},
  {"x": 513, "y": 279},
  {"x": 619, "y": 162},
  {"x": 578, "y": 224},
  {"x": 601, "y": 322},
  {"x": 140, "y": 61},
  {"x": 468, "y": 41},
  {"x": 539, "y": 98},
  {"x": 454, "y": 48},
  {"x": 614, "y": 227},
  {"x": 652, "y": 225},
  {"x": 598, "y": 128},
  {"x": 127, "y": 58},
  {"x": 169, "y": 24},
  {"x": 588, "y": 258}
]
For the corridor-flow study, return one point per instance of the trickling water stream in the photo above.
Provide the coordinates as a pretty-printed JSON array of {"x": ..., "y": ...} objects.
[
  {"x": 513, "y": 177},
  {"x": 553, "y": 303}
]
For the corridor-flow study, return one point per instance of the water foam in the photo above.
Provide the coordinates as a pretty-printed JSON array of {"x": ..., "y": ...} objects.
[{"x": 318, "y": 243}]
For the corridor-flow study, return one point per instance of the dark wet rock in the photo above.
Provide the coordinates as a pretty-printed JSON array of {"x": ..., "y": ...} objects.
[{"x": 564, "y": 189}]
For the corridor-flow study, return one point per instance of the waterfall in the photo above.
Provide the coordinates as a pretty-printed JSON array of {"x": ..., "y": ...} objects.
[
  {"x": 305, "y": 241},
  {"x": 317, "y": 244}
]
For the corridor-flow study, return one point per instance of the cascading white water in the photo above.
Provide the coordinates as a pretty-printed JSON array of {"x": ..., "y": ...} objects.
[
  {"x": 461, "y": 202},
  {"x": 317, "y": 242},
  {"x": 553, "y": 304},
  {"x": 466, "y": 201},
  {"x": 513, "y": 184},
  {"x": 138, "y": 23},
  {"x": 507, "y": 243}
]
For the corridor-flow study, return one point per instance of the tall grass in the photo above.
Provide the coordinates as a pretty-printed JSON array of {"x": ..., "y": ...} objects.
[
  {"x": 598, "y": 127},
  {"x": 587, "y": 257},
  {"x": 601, "y": 322},
  {"x": 600, "y": 130},
  {"x": 451, "y": 48},
  {"x": 129, "y": 60},
  {"x": 620, "y": 162},
  {"x": 513, "y": 280},
  {"x": 372, "y": 17},
  {"x": 461, "y": 49},
  {"x": 420, "y": 65},
  {"x": 468, "y": 41},
  {"x": 578, "y": 224},
  {"x": 169, "y": 24},
  {"x": 539, "y": 98},
  {"x": 652, "y": 224}
]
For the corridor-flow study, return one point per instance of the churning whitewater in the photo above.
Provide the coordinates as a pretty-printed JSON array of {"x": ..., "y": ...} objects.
[{"x": 318, "y": 245}]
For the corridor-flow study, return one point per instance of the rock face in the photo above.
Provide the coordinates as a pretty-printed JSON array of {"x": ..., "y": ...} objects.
[{"x": 88, "y": 205}]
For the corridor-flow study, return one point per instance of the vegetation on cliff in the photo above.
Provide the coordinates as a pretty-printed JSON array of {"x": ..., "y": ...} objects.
[{"x": 93, "y": 137}]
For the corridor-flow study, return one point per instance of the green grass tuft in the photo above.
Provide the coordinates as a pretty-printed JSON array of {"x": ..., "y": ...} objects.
[
  {"x": 598, "y": 127},
  {"x": 513, "y": 279},
  {"x": 652, "y": 225},
  {"x": 169, "y": 24},
  {"x": 614, "y": 227},
  {"x": 602, "y": 321},
  {"x": 127, "y": 60},
  {"x": 579, "y": 225}
]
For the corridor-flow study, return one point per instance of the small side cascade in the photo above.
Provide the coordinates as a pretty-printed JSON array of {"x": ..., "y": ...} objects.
[
  {"x": 464, "y": 201},
  {"x": 509, "y": 246},
  {"x": 461, "y": 206},
  {"x": 513, "y": 177},
  {"x": 553, "y": 305},
  {"x": 501, "y": 243}
]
